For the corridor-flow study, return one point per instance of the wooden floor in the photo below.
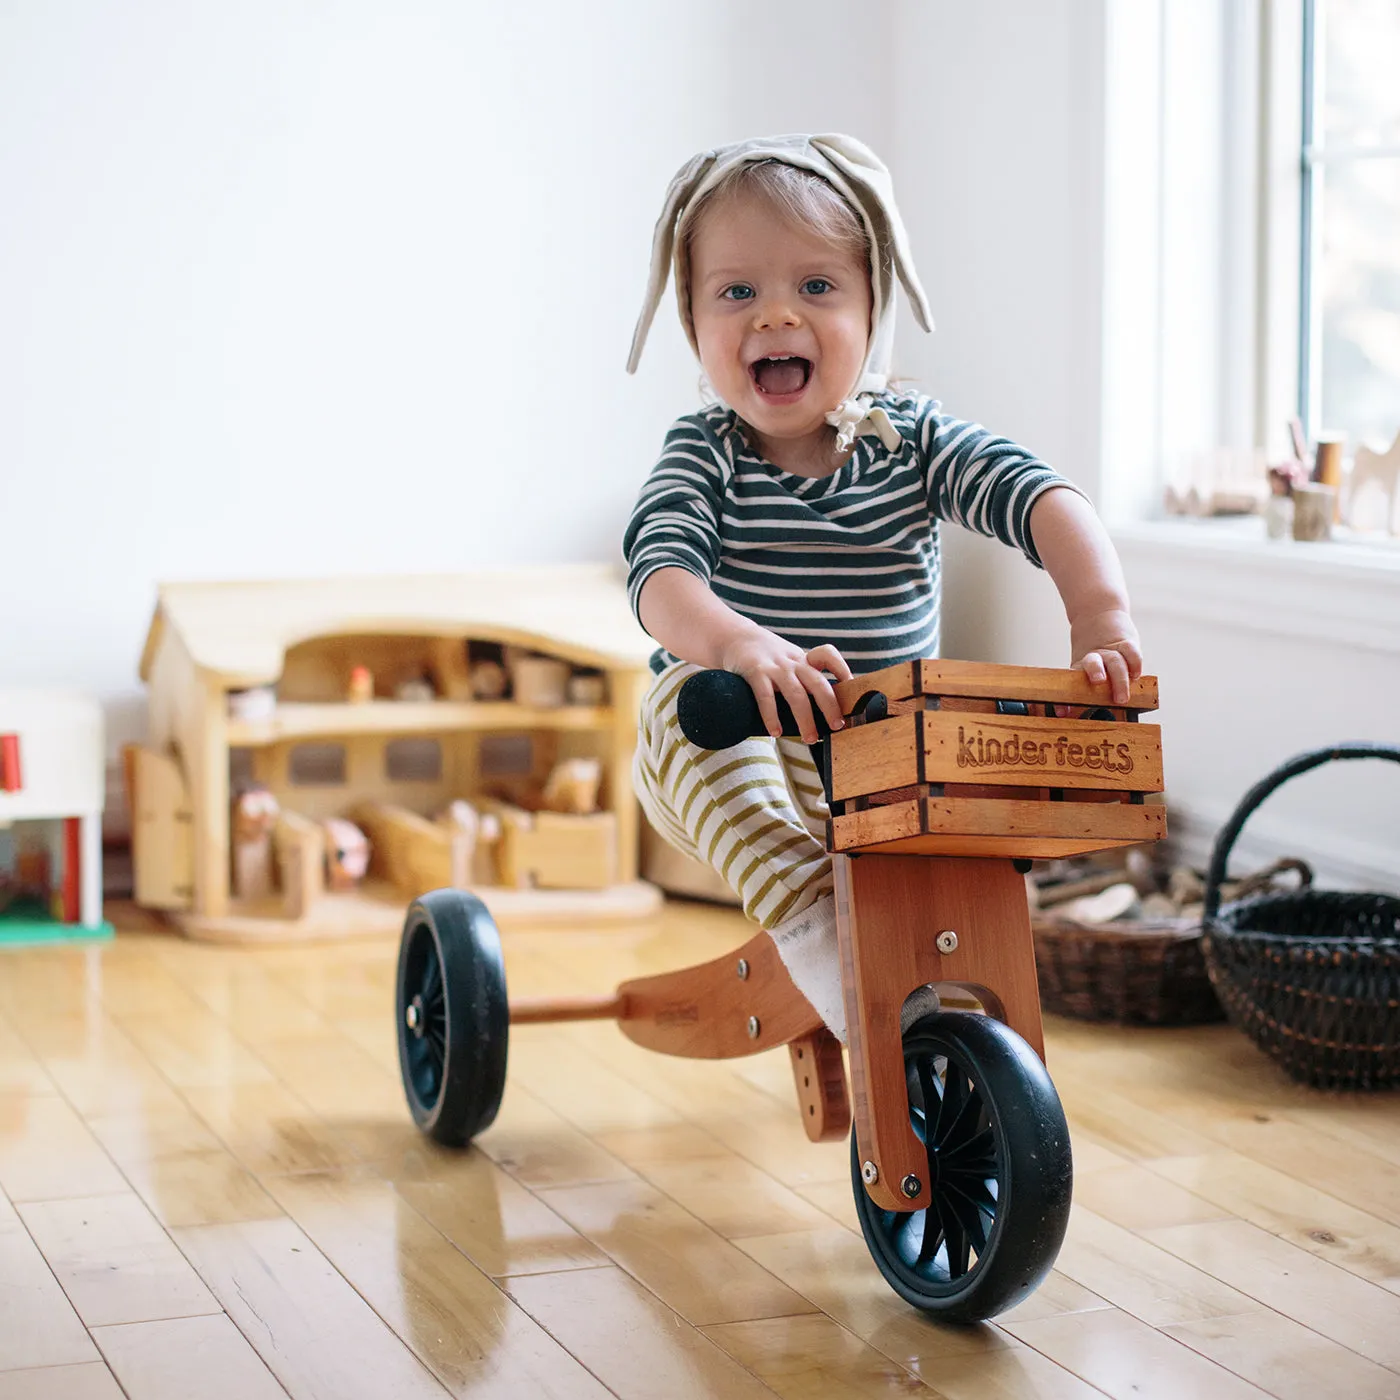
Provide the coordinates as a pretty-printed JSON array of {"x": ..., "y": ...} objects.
[{"x": 211, "y": 1187}]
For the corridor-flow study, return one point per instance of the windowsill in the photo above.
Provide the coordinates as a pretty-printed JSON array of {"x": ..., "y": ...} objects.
[
  {"x": 1242, "y": 537},
  {"x": 1345, "y": 591}
]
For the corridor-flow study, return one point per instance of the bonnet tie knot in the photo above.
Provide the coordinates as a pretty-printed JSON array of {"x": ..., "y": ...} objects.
[{"x": 855, "y": 417}]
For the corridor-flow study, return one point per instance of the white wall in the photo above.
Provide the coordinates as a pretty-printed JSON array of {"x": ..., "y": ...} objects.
[
  {"x": 998, "y": 155},
  {"x": 294, "y": 288}
]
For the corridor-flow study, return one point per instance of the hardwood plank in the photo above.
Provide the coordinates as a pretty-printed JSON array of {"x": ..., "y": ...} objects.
[
  {"x": 1120, "y": 1123},
  {"x": 317, "y": 1335},
  {"x": 1286, "y": 1359},
  {"x": 537, "y": 1147},
  {"x": 47, "y": 1152},
  {"x": 811, "y": 1358},
  {"x": 595, "y": 1099},
  {"x": 1010, "y": 1373},
  {"x": 454, "y": 1319},
  {"x": 1313, "y": 1220},
  {"x": 1090, "y": 1154},
  {"x": 135, "y": 983},
  {"x": 1131, "y": 1196},
  {"x": 204, "y": 1356},
  {"x": 100, "y": 1070},
  {"x": 270, "y": 1129},
  {"x": 1370, "y": 1123},
  {"x": 1317, "y": 1158},
  {"x": 687, "y": 1265},
  {"x": 90, "y": 1380},
  {"x": 1287, "y": 1279},
  {"x": 1141, "y": 1278},
  {"x": 334, "y": 1077},
  {"x": 1128, "y": 1360},
  {"x": 835, "y": 1199},
  {"x": 733, "y": 1197},
  {"x": 635, "y": 1345},
  {"x": 200, "y": 1188},
  {"x": 833, "y": 1268},
  {"x": 720, "y": 1101},
  {"x": 249, "y": 999},
  {"x": 1057, "y": 1294},
  {"x": 502, "y": 1227},
  {"x": 145, "y": 1135},
  {"x": 38, "y": 1326},
  {"x": 194, "y": 1050},
  {"x": 114, "y": 1261},
  {"x": 20, "y": 1070}
]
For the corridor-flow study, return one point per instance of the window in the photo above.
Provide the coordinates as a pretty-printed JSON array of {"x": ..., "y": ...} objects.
[{"x": 1349, "y": 358}]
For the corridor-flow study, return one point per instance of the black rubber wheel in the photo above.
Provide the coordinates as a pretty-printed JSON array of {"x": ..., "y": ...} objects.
[
  {"x": 999, "y": 1167},
  {"x": 452, "y": 1015}
]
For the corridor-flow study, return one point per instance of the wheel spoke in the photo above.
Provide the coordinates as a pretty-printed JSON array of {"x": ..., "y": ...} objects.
[
  {"x": 970, "y": 1218},
  {"x": 964, "y": 1125},
  {"x": 955, "y": 1091},
  {"x": 972, "y": 1189},
  {"x": 978, "y": 1147},
  {"x": 955, "y": 1236},
  {"x": 432, "y": 981},
  {"x": 932, "y": 1238}
]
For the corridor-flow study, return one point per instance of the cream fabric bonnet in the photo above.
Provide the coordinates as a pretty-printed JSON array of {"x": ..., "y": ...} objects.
[{"x": 859, "y": 174}]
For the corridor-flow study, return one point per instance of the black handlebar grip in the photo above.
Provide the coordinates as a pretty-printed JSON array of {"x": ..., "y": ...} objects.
[{"x": 717, "y": 709}]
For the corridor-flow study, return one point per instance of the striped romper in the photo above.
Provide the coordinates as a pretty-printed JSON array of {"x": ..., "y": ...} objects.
[{"x": 849, "y": 559}]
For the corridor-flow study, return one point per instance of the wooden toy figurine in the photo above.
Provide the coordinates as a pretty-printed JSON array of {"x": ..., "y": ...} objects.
[
  {"x": 347, "y": 854},
  {"x": 948, "y": 778},
  {"x": 255, "y": 813}
]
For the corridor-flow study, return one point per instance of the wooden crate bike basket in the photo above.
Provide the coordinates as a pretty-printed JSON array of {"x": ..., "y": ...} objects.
[{"x": 964, "y": 759}]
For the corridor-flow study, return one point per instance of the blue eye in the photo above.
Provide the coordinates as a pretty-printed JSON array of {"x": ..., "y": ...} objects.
[
  {"x": 815, "y": 286},
  {"x": 740, "y": 291}
]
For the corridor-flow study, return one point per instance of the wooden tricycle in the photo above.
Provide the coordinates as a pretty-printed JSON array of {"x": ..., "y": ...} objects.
[{"x": 948, "y": 779}]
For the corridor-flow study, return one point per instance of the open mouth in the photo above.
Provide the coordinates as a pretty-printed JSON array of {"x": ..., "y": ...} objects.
[{"x": 781, "y": 376}]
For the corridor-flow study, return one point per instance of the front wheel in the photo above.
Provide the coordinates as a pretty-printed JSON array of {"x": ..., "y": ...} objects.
[
  {"x": 452, "y": 1014},
  {"x": 999, "y": 1172}
]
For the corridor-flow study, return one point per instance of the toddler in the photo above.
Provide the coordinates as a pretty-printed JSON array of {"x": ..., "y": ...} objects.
[{"x": 789, "y": 532}]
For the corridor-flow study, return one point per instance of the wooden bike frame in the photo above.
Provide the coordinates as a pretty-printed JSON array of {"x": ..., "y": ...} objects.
[{"x": 928, "y": 889}]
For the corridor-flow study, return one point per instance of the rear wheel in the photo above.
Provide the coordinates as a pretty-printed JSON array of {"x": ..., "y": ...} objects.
[
  {"x": 999, "y": 1172},
  {"x": 452, "y": 1015}
]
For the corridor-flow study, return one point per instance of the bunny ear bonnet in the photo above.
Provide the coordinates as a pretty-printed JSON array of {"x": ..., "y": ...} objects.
[{"x": 860, "y": 176}]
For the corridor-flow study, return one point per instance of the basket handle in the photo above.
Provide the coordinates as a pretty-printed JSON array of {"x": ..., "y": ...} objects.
[{"x": 1314, "y": 758}]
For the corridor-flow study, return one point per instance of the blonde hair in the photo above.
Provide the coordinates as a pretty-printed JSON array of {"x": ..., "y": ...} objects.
[{"x": 800, "y": 196}]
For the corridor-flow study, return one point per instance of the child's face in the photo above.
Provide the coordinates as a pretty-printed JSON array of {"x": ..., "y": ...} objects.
[{"x": 782, "y": 318}]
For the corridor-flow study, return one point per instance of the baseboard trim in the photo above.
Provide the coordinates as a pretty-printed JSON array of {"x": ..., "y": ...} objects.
[{"x": 1337, "y": 864}]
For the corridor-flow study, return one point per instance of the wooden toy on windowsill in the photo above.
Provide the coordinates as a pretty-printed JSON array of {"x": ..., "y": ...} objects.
[
  {"x": 1221, "y": 482},
  {"x": 1373, "y": 497},
  {"x": 948, "y": 778}
]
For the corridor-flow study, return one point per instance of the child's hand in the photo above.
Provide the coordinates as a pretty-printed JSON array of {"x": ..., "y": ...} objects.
[
  {"x": 1105, "y": 647},
  {"x": 774, "y": 666}
]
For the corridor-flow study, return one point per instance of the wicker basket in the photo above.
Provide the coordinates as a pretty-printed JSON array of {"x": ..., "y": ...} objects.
[
  {"x": 1312, "y": 977},
  {"x": 1147, "y": 972}
]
